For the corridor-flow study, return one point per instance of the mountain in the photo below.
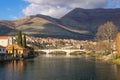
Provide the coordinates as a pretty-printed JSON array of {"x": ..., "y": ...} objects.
[
  {"x": 77, "y": 24},
  {"x": 90, "y": 19},
  {"x": 44, "y": 26},
  {"x": 6, "y": 27}
]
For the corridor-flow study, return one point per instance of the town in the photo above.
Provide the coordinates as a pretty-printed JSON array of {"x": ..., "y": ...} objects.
[
  {"x": 11, "y": 47},
  {"x": 16, "y": 47}
]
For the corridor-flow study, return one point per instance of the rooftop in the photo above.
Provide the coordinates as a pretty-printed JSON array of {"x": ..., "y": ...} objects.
[
  {"x": 15, "y": 47},
  {"x": 2, "y": 46},
  {"x": 4, "y": 37}
]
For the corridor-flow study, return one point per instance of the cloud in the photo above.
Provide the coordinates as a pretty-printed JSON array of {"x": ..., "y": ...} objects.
[
  {"x": 57, "y": 8},
  {"x": 54, "y": 11}
]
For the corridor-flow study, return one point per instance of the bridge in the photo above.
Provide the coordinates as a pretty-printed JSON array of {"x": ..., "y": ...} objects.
[{"x": 68, "y": 51}]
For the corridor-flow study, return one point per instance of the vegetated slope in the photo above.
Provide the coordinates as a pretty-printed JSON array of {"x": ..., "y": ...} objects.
[
  {"x": 6, "y": 27},
  {"x": 77, "y": 24},
  {"x": 45, "y": 26},
  {"x": 90, "y": 19}
]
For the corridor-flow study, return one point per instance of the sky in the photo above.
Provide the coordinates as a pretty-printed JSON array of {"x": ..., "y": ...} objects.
[{"x": 14, "y": 9}]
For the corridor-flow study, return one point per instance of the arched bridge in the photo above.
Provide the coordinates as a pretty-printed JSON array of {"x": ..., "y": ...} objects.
[{"x": 68, "y": 51}]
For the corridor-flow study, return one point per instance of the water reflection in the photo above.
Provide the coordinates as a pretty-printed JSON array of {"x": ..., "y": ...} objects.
[
  {"x": 105, "y": 71},
  {"x": 118, "y": 72},
  {"x": 59, "y": 68},
  {"x": 11, "y": 70}
]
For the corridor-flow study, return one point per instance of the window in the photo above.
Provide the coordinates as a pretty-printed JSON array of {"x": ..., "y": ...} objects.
[{"x": 3, "y": 49}]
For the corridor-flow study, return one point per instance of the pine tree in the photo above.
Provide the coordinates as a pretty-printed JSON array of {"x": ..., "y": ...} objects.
[
  {"x": 19, "y": 40},
  {"x": 24, "y": 41},
  {"x": 13, "y": 50}
]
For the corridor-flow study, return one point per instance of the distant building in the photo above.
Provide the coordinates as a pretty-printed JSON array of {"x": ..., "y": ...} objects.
[
  {"x": 2, "y": 50},
  {"x": 16, "y": 49},
  {"x": 5, "y": 40}
]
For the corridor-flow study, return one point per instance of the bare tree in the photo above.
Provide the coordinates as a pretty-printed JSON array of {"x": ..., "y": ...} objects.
[{"x": 107, "y": 32}]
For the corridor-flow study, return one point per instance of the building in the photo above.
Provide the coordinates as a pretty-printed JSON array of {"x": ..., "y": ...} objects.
[
  {"x": 5, "y": 40},
  {"x": 16, "y": 49},
  {"x": 2, "y": 50}
]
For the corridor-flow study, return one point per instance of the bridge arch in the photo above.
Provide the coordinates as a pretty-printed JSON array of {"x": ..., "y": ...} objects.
[{"x": 68, "y": 51}]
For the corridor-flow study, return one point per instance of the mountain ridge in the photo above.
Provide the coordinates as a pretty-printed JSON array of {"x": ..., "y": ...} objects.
[
  {"x": 77, "y": 24},
  {"x": 90, "y": 19}
]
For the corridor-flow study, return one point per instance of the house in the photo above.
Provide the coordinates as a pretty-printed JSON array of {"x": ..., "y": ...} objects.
[
  {"x": 5, "y": 40},
  {"x": 15, "y": 50},
  {"x": 2, "y": 50}
]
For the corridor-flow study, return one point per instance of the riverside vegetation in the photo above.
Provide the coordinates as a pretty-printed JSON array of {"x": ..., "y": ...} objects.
[{"x": 107, "y": 47}]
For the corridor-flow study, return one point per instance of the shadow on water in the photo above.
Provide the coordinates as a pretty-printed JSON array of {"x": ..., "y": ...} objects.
[{"x": 59, "y": 68}]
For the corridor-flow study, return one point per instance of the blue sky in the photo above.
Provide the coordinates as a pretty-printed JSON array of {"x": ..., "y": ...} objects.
[{"x": 13, "y": 9}]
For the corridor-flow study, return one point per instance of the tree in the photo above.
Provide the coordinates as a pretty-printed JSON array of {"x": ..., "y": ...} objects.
[
  {"x": 19, "y": 40},
  {"x": 107, "y": 32},
  {"x": 13, "y": 50},
  {"x": 24, "y": 41},
  {"x": 118, "y": 44}
]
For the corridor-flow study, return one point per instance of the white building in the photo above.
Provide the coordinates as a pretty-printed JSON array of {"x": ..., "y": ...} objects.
[
  {"x": 2, "y": 50},
  {"x": 5, "y": 40}
]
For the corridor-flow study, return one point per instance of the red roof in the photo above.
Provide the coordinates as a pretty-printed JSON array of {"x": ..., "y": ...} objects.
[
  {"x": 4, "y": 37},
  {"x": 2, "y": 46}
]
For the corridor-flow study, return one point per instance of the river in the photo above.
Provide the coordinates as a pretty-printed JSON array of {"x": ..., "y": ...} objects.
[{"x": 59, "y": 68}]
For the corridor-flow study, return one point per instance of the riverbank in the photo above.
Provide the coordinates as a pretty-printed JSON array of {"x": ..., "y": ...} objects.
[
  {"x": 9, "y": 57},
  {"x": 111, "y": 58},
  {"x": 116, "y": 61}
]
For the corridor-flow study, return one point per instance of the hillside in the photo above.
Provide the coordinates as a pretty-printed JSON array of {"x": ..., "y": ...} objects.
[
  {"x": 6, "y": 27},
  {"x": 90, "y": 19},
  {"x": 77, "y": 24},
  {"x": 45, "y": 26}
]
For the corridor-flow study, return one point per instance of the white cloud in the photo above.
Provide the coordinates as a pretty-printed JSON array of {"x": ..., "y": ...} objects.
[
  {"x": 54, "y": 11},
  {"x": 57, "y": 8}
]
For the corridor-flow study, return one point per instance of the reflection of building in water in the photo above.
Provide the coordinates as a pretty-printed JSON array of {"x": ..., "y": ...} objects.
[{"x": 14, "y": 70}]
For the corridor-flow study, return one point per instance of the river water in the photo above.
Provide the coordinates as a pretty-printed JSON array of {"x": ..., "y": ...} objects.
[{"x": 59, "y": 68}]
